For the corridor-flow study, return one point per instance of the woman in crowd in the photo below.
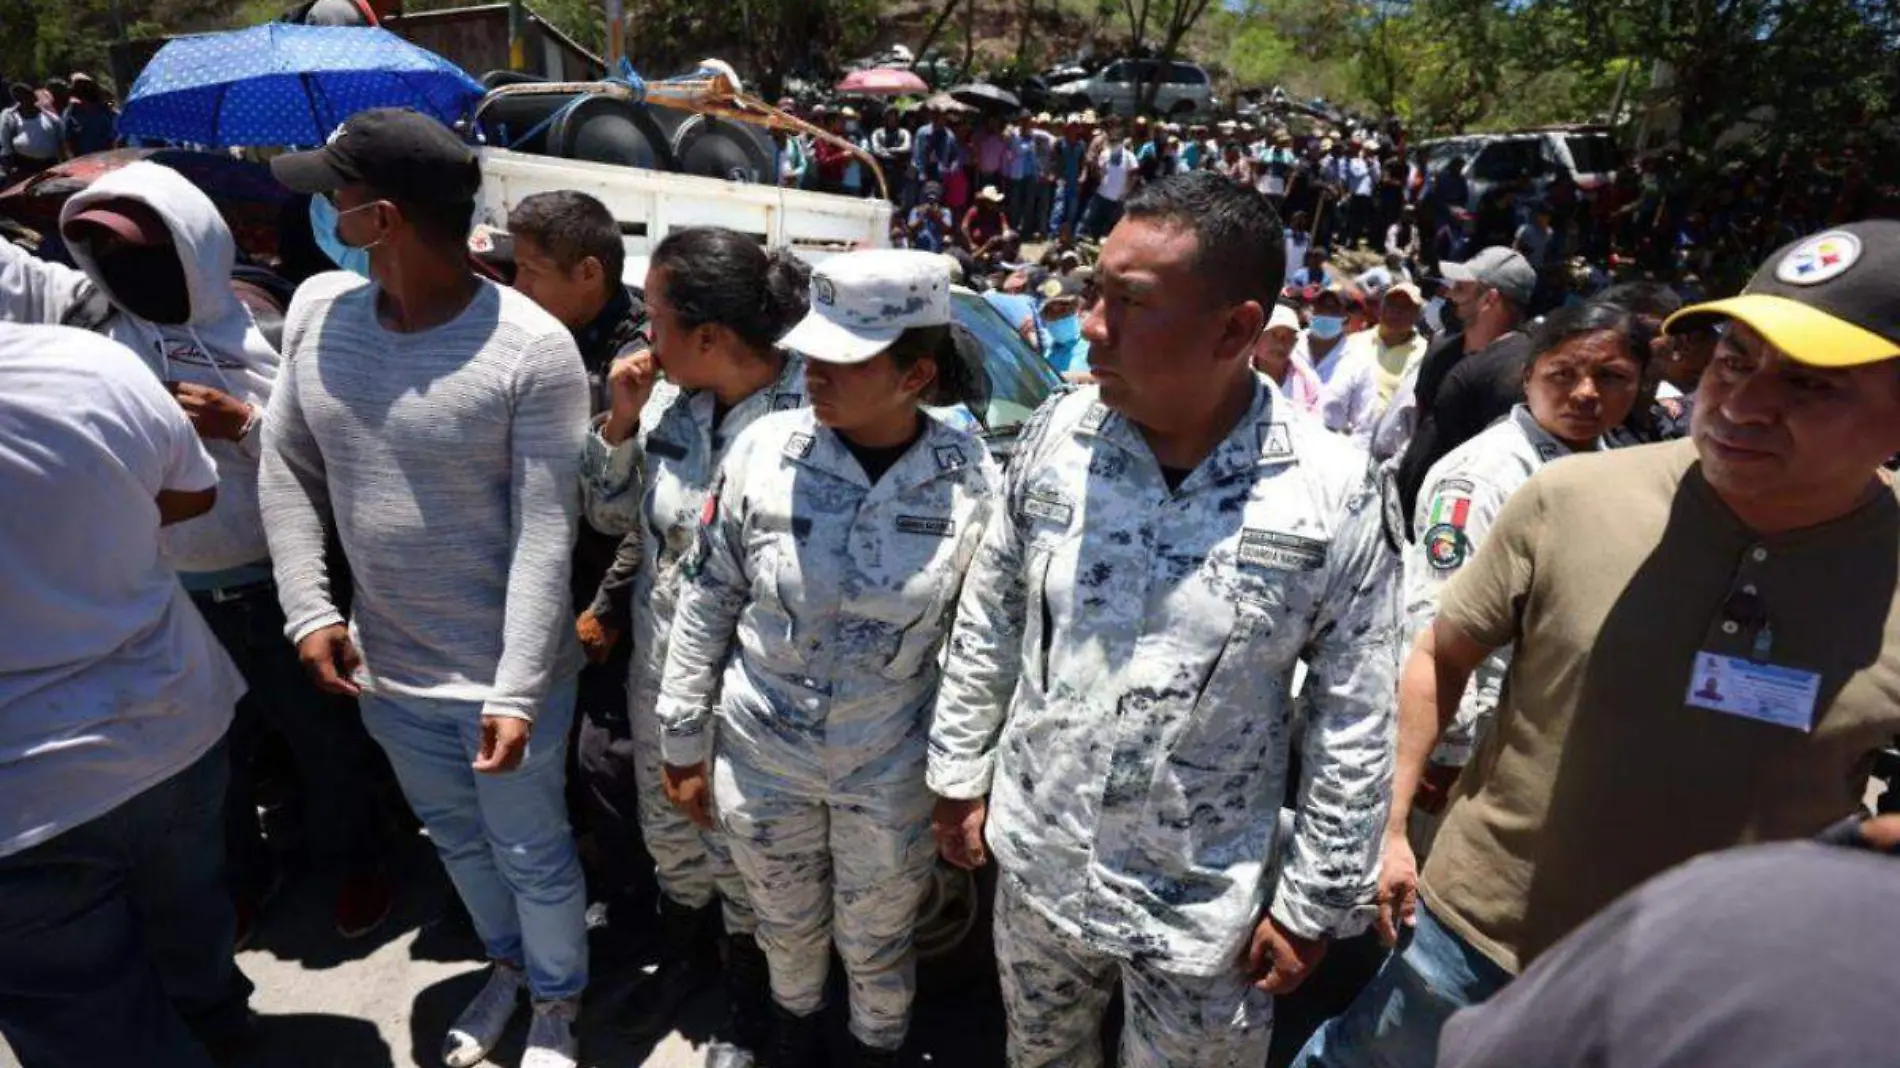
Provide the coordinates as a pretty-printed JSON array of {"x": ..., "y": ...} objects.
[
  {"x": 717, "y": 304},
  {"x": 1274, "y": 356},
  {"x": 826, "y": 574},
  {"x": 1581, "y": 384}
]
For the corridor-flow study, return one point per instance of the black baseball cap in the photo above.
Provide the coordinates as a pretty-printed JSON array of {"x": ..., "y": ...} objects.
[
  {"x": 398, "y": 151},
  {"x": 1830, "y": 300}
]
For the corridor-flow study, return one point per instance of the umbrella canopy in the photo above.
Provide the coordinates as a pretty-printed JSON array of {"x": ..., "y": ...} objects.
[
  {"x": 883, "y": 81},
  {"x": 946, "y": 103},
  {"x": 988, "y": 98},
  {"x": 281, "y": 84}
]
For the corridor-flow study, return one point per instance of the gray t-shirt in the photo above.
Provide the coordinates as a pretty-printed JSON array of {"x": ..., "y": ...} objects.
[
  {"x": 447, "y": 461},
  {"x": 1783, "y": 954}
]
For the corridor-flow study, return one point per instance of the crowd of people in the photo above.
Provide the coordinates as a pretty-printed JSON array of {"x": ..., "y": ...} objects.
[
  {"x": 63, "y": 119},
  {"x": 1701, "y": 223},
  {"x": 1306, "y": 609}
]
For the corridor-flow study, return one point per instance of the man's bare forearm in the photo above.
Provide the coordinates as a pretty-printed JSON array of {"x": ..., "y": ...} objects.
[{"x": 1430, "y": 687}]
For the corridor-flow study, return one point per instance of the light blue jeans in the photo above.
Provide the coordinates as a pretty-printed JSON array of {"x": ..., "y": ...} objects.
[
  {"x": 504, "y": 838},
  {"x": 1395, "y": 1020}
]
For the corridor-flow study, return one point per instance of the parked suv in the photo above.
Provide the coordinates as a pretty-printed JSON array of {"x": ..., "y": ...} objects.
[
  {"x": 1585, "y": 153},
  {"x": 1116, "y": 89}
]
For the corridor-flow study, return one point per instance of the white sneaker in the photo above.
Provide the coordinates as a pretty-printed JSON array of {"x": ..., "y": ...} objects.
[
  {"x": 551, "y": 1041},
  {"x": 476, "y": 1031}
]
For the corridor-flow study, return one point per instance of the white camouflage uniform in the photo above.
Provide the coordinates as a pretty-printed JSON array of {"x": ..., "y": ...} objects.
[
  {"x": 655, "y": 484},
  {"x": 1459, "y": 500},
  {"x": 1117, "y": 684},
  {"x": 812, "y": 628}
]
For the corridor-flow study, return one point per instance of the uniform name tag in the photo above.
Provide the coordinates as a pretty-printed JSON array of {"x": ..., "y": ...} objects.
[
  {"x": 919, "y": 524},
  {"x": 798, "y": 446},
  {"x": 1770, "y": 693},
  {"x": 1266, "y": 548},
  {"x": 1047, "y": 506},
  {"x": 672, "y": 450}
]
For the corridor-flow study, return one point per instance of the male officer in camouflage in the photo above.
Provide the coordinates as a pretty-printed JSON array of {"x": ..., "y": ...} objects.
[{"x": 1168, "y": 545}]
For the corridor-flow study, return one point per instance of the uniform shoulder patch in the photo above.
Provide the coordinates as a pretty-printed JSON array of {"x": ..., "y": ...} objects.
[
  {"x": 799, "y": 446},
  {"x": 1283, "y": 552},
  {"x": 1451, "y": 503},
  {"x": 1446, "y": 547},
  {"x": 950, "y": 457},
  {"x": 1093, "y": 419},
  {"x": 702, "y": 537},
  {"x": 1276, "y": 442},
  {"x": 931, "y": 526}
]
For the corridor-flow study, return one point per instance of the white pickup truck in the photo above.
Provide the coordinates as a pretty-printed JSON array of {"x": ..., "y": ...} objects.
[{"x": 650, "y": 204}]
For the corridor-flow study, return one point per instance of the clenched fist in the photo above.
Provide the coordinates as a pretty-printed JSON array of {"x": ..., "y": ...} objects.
[{"x": 630, "y": 382}]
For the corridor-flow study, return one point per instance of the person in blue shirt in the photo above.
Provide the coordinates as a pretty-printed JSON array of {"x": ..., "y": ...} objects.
[
  {"x": 1062, "y": 312},
  {"x": 931, "y": 226},
  {"x": 1313, "y": 273}
]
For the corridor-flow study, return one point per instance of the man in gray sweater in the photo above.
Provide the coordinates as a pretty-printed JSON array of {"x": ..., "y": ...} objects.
[{"x": 433, "y": 422}]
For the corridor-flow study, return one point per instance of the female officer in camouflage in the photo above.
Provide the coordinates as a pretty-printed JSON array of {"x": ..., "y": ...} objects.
[
  {"x": 827, "y": 571},
  {"x": 1580, "y": 385},
  {"x": 717, "y": 304}
]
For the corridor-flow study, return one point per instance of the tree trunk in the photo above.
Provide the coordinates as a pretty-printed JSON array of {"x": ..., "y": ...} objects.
[
  {"x": 1022, "y": 40},
  {"x": 936, "y": 27},
  {"x": 969, "y": 38}
]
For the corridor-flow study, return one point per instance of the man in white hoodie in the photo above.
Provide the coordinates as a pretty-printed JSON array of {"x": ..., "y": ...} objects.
[{"x": 155, "y": 261}]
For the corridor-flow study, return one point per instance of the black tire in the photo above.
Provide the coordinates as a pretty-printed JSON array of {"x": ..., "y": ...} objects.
[
  {"x": 604, "y": 129},
  {"x": 715, "y": 148}
]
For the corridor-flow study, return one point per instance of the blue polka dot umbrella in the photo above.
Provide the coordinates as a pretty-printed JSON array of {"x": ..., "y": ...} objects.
[{"x": 279, "y": 84}]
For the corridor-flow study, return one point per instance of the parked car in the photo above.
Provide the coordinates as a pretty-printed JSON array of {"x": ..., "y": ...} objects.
[
  {"x": 1586, "y": 153},
  {"x": 1116, "y": 89}
]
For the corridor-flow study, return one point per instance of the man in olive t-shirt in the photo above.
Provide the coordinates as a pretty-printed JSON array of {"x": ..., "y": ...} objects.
[{"x": 1707, "y": 642}]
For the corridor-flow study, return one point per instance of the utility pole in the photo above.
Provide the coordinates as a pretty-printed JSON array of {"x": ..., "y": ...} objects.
[
  {"x": 616, "y": 34},
  {"x": 517, "y": 36}
]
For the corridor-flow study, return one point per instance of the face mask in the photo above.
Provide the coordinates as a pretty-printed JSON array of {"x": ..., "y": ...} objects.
[
  {"x": 148, "y": 282},
  {"x": 1065, "y": 331},
  {"x": 1327, "y": 327},
  {"x": 323, "y": 228}
]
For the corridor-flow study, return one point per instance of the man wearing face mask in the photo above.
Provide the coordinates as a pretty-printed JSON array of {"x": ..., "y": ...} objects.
[
  {"x": 433, "y": 421},
  {"x": 1473, "y": 374},
  {"x": 1062, "y": 309},
  {"x": 1349, "y": 386},
  {"x": 154, "y": 274}
]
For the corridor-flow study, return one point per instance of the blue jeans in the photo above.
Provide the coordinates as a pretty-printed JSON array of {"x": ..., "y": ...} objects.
[
  {"x": 1395, "y": 1020},
  {"x": 504, "y": 838},
  {"x": 115, "y": 935},
  {"x": 1066, "y": 209}
]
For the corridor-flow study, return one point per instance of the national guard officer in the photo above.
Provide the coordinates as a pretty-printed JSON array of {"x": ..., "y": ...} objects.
[
  {"x": 717, "y": 304},
  {"x": 1582, "y": 382},
  {"x": 1169, "y": 544},
  {"x": 830, "y": 556}
]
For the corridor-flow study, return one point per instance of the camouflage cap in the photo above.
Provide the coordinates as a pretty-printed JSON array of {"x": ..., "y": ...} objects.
[{"x": 862, "y": 301}]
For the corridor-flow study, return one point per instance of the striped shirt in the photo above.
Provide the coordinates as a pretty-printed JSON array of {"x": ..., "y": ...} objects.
[{"x": 447, "y": 461}]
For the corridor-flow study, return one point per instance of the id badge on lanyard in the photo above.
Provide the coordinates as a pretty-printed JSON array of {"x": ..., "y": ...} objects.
[{"x": 1751, "y": 685}]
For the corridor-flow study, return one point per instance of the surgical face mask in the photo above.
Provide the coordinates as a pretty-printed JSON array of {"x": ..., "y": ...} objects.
[
  {"x": 1066, "y": 330},
  {"x": 1327, "y": 327},
  {"x": 323, "y": 220},
  {"x": 148, "y": 282}
]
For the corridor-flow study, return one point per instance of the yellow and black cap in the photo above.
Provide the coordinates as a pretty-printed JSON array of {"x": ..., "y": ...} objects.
[{"x": 1830, "y": 300}]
